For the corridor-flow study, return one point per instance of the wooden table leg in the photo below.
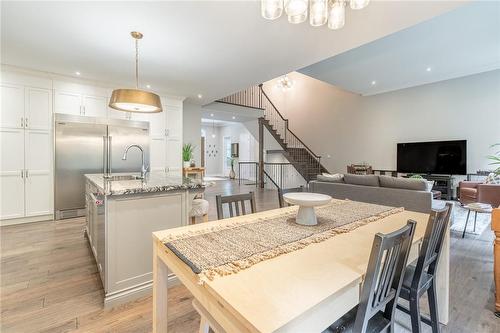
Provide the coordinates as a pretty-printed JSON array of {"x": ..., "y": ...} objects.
[
  {"x": 443, "y": 281},
  {"x": 160, "y": 292},
  {"x": 495, "y": 226}
]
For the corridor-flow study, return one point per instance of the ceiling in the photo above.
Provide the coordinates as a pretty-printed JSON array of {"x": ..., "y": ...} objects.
[
  {"x": 230, "y": 113},
  {"x": 212, "y": 48},
  {"x": 462, "y": 42}
]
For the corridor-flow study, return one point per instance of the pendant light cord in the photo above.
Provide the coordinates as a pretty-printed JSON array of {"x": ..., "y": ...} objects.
[{"x": 136, "y": 64}]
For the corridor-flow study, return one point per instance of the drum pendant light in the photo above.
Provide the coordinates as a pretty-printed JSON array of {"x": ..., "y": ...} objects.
[{"x": 135, "y": 100}]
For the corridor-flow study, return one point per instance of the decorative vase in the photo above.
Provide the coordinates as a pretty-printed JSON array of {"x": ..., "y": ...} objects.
[
  {"x": 232, "y": 174},
  {"x": 187, "y": 164},
  {"x": 192, "y": 164}
]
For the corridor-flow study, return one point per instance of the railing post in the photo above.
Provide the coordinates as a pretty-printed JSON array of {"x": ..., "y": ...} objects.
[
  {"x": 260, "y": 95},
  {"x": 281, "y": 175},
  {"x": 319, "y": 165},
  {"x": 261, "y": 152},
  {"x": 239, "y": 173}
]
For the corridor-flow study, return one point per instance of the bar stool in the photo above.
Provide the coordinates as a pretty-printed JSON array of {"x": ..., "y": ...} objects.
[{"x": 199, "y": 208}]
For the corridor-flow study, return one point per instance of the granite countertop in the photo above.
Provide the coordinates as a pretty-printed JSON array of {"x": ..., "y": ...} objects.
[{"x": 156, "y": 181}]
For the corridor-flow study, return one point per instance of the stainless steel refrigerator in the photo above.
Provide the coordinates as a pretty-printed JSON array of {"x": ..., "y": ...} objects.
[{"x": 86, "y": 145}]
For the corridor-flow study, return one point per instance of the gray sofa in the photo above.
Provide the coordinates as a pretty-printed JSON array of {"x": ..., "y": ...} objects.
[{"x": 412, "y": 194}]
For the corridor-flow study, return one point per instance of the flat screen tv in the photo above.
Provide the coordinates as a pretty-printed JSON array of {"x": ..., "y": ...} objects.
[{"x": 435, "y": 157}]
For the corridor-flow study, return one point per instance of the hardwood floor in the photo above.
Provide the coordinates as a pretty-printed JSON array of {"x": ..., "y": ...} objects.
[{"x": 49, "y": 281}]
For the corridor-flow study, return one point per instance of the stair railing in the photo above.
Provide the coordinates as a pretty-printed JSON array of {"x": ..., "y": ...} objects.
[{"x": 256, "y": 97}]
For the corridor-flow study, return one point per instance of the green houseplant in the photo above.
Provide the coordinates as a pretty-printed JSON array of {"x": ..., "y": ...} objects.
[
  {"x": 187, "y": 154},
  {"x": 495, "y": 159}
]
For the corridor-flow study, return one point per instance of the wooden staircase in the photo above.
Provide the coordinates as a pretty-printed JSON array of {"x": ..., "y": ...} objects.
[{"x": 304, "y": 160}]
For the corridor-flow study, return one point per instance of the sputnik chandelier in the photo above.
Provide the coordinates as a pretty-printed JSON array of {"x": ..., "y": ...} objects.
[{"x": 320, "y": 11}]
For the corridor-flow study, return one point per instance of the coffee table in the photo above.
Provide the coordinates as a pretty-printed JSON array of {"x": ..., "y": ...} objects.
[
  {"x": 306, "y": 201},
  {"x": 476, "y": 207}
]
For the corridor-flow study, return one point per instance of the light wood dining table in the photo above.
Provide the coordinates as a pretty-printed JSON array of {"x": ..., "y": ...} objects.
[{"x": 301, "y": 291}]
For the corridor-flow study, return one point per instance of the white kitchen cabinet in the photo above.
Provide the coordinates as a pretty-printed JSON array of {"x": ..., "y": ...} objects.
[
  {"x": 38, "y": 175},
  {"x": 94, "y": 106},
  {"x": 12, "y": 173},
  {"x": 174, "y": 155},
  {"x": 174, "y": 122},
  {"x": 158, "y": 153},
  {"x": 80, "y": 99},
  {"x": 38, "y": 112},
  {"x": 67, "y": 102},
  {"x": 12, "y": 106}
]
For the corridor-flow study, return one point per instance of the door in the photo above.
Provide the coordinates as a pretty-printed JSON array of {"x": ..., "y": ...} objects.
[
  {"x": 68, "y": 102},
  {"x": 38, "y": 109},
  {"x": 158, "y": 153},
  {"x": 174, "y": 155},
  {"x": 95, "y": 106},
  {"x": 38, "y": 176},
  {"x": 226, "y": 156},
  {"x": 120, "y": 138},
  {"x": 174, "y": 121},
  {"x": 12, "y": 173},
  {"x": 12, "y": 106},
  {"x": 157, "y": 122},
  {"x": 79, "y": 150}
]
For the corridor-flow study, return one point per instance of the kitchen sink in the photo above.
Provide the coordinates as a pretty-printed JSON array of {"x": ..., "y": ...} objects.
[{"x": 124, "y": 177}]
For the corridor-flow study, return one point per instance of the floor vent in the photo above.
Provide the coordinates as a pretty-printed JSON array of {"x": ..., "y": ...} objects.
[{"x": 68, "y": 214}]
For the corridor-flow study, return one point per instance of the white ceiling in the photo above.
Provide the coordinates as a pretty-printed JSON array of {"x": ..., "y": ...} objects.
[
  {"x": 462, "y": 42},
  {"x": 212, "y": 48}
]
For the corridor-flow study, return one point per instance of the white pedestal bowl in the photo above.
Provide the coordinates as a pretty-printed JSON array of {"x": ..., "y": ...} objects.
[{"x": 306, "y": 202}]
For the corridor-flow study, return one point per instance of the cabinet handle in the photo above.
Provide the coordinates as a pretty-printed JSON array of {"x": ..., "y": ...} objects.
[
  {"x": 22, "y": 122},
  {"x": 27, "y": 175},
  {"x": 84, "y": 110},
  {"x": 26, "y": 122},
  {"x": 22, "y": 173}
]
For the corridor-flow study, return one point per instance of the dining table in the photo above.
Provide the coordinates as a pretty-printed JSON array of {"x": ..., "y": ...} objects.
[{"x": 305, "y": 290}]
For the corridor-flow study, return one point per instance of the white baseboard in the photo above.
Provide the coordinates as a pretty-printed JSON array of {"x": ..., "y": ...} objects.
[
  {"x": 30, "y": 219},
  {"x": 128, "y": 295}
]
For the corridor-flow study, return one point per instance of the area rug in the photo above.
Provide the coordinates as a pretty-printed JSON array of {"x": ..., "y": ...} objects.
[
  {"x": 460, "y": 215},
  {"x": 227, "y": 249}
]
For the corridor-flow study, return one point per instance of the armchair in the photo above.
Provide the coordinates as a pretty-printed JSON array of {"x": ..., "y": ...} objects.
[{"x": 472, "y": 191}]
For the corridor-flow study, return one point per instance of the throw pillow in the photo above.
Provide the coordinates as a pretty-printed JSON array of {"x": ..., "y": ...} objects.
[
  {"x": 492, "y": 178},
  {"x": 404, "y": 183},
  {"x": 330, "y": 178},
  {"x": 365, "y": 180}
]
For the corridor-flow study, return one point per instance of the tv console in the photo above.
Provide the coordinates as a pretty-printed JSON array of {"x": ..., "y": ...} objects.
[{"x": 443, "y": 184}]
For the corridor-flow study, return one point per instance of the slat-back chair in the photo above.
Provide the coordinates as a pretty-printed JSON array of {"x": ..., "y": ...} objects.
[
  {"x": 375, "y": 312},
  {"x": 282, "y": 191},
  {"x": 420, "y": 278},
  {"x": 236, "y": 204}
]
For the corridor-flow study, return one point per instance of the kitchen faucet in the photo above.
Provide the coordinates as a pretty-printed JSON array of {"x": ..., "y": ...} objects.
[{"x": 143, "y": 167}]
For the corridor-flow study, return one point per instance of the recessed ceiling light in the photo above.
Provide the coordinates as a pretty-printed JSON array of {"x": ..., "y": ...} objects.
[
  {"x": 428, "y": 69},
  {"x": 148, "y": 86},
  {"x": 78, "y": 73},
  {"x": 374, "y": 83},
  {"x": 211, "y": 115},
  {"x": 200, "y": 95},
  {"x": 234, "y": 117}
]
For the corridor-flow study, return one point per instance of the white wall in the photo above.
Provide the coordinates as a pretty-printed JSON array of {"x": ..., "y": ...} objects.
[
  {"x": 346, "y": 128},
  {"x": 192, "y": 129}
]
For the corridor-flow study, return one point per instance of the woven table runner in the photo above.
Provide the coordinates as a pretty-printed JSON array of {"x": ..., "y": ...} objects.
[{"x": 227, "y": 249}]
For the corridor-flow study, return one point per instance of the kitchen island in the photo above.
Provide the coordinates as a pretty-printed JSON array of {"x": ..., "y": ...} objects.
[{"x": 121, "y": 214}]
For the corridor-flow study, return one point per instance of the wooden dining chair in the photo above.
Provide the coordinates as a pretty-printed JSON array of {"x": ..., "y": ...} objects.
[
  {"x": 237, "y": 201},
  {"x": 282, "y": 191},
  {"x": 375, "y": 311},
  {"x": 421, "y": 278}
]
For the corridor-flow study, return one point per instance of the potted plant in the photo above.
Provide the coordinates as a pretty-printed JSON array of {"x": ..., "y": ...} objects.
[
  {"x": 495, "y": 160},
  {"x": 187, "y": 154},
  {"x": 232, "y": 174}
]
